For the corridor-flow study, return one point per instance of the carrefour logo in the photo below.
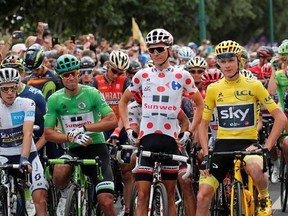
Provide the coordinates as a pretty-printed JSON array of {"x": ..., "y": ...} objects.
[
  {"x": 17, "y": 117},
  {"x": 174, "y": 85}
]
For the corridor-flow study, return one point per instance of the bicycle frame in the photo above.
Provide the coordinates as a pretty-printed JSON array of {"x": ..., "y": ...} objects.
[{"x": 78, "y": 178}]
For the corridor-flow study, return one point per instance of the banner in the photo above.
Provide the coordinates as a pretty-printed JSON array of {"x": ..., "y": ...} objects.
[{"x": 137, "y": 35}]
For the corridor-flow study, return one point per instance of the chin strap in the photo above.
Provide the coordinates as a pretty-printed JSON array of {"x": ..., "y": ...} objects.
[{"x": 238, "y": 70}]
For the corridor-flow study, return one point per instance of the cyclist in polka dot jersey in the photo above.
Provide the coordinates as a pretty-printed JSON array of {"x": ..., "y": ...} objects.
[{"x": 162, "y": 88}]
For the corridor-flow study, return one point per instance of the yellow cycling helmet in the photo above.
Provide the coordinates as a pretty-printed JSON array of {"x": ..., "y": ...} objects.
[{"x": 229, "y": 47}]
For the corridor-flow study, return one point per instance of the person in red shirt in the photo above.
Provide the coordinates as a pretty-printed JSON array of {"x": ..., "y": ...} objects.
[{"x": 264, "y": 54}]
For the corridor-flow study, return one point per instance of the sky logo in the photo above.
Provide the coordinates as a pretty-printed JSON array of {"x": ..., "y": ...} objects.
[{"x": 17, "y": 117}]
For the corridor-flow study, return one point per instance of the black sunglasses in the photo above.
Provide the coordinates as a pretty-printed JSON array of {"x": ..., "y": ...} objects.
[
  {"x": 114, "y": 71},
  {"x": 196, "y": 71},
  {"x": 158, "y": 49},
  {"x": 87, "y": 71}
]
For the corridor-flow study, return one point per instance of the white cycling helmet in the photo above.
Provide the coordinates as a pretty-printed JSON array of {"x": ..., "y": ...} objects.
[
  {"x": 9, "y": 75},
  {"x": 159, "y": 36},
  {"x": 196, "y": 61},
  {"x": 119, "y": 60},
  {"x": 186, "y": 53}
]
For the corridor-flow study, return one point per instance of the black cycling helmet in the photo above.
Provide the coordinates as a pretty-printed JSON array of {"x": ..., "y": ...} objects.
[
  {"x": 134, "y": 66},
  {"x": 34, "y": 56},
  {"x": 265, "y": 51},
  {"x": 104, "y": 57},
  {"x": 86, "y": 62}
]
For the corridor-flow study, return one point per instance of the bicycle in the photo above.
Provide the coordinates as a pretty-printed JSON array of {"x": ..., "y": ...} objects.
[
  {"x": 81, "y": 194},
  {"x": 158, "y": 200},
  {"x": 283, "y": 176},
  {"x": 242, "y": 193},
  {"x": 12, "y": 196}
]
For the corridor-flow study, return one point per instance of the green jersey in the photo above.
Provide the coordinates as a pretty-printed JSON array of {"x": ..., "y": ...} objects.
[
  {"x": 282, "y": 89},
  {"x": 87, "y": 107}
]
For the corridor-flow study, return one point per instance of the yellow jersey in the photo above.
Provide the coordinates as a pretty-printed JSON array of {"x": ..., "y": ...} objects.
[{"x": 237, "y": 105}]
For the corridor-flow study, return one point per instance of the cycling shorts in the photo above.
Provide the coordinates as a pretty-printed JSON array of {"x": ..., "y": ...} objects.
[
  {"x": 90, "y": 152},
  {"x": 158, "y": 143}
]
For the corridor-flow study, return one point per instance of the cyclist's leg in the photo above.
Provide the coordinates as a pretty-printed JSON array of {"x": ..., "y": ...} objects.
[
  {"x": 188, "y": 193},
  {"x": 104, "y": 188},
  {"x": 39, "y": 185},
  {"x": 62, "y": 173}
]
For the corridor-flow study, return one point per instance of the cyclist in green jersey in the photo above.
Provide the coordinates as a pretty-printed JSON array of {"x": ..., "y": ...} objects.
[
  {"x": 83, "y": 114},
  {"x": 278, "y": 83}
]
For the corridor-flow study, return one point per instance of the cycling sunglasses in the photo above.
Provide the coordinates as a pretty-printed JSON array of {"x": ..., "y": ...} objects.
[
  {"x": 87, "y": 71},
  {"x": 68, "y": 74},
  {"x": 226, "y": 55},
  {"x": 115, "y": 71},
  {"x": 6, "y": 89},
  {"x": 158, "y": 49},
  {"x": 200, "y": 71}
]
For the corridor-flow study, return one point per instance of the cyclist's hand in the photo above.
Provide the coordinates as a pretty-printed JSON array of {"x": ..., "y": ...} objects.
[
  {"x": 83, "y": 140},
  {"x": 184, "y": 138},
  {"x": 76, "y": 131},
  {"x": 132, "y": 137},
  {"x": 25, "y": 164},
  {"x": 253, "y": 148},
  {"x": 114, "y": 137}
]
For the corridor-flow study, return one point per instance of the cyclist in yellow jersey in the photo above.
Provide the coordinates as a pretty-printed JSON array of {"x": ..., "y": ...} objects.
[{"x": 236, "y": 99}]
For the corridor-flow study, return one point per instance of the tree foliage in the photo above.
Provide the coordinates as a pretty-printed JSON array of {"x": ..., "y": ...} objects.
[{"x": 242, "y": 21}]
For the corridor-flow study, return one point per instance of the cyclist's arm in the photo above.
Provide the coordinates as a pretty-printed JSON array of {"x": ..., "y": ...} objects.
[
  {"x": 106, "y": 123},
  {"x": 203, "y": 139},
  {"x": 27, "y": 138},
  {"x": 183, "y": 121},
  {"x": 123, "y": 107},
  {"x": 197, "y": 98},
  {"x": 279, "y": 124},
  {"x": 272, "y": 85}
]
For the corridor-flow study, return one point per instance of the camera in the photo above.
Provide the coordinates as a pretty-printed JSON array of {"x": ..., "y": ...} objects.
[
  {"x": 45, "y": 25},
  {"x": 18, "y": 35}
]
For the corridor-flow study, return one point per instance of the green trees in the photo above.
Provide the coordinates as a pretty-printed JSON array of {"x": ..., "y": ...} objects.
[{"x": 226, "y": 19}]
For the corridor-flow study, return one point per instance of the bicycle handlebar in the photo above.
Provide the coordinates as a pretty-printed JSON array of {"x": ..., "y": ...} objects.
[{"x": 75, "y": 161}]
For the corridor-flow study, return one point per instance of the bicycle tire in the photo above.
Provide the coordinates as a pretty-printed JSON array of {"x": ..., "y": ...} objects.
[
  {"x": 71, "y": 208},
  {"x": 236, "y": 207},
  {"x": 52, "y": 198},
  {"x": 3, "y": 201},
  {"x": 133, "y": 201},
  {"x": 219, "y": 205},
  {"x": 284, "y": 184},
  {"x": 160, "y": 201}
]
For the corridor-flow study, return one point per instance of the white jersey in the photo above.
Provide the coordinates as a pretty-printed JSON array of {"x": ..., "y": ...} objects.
[
  {"x": 161, "y": 100},
  {"x": 12, "y": 119}
]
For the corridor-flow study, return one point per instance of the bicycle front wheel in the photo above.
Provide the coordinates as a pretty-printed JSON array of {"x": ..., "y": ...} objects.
[
  {"x": 284, "y": 184},
  {"x": 71, "y": 208},
  {"x": 53, "y": 198},
  {"x": 160, "y": 201}
]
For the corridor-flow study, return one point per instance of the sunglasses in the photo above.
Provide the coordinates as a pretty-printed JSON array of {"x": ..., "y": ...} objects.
[
  {"x": 196, "y": 71},
  {"x": 6, "y": 89},
  {"x": 89, "y": 71},
  {"x": 115, "y": 71},
  {"x": 68, "y": 74},
  {"x": 226, "y": 55},
  {"x": 158, "y": 49}
]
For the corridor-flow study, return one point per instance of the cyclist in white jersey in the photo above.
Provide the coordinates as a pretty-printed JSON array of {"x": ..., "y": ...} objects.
[
  {"x": 16, "y": 128},
  {"x": 162, "y": 88}
]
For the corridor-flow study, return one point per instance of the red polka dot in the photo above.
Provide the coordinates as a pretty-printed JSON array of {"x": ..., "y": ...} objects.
[
  {"x": 161, "y": 75},
  {"x": 188, "y": 81},
  {"x": 145, "y": 75},
  {"x": 175, "y": 135},
  {"x": 160, "y": 88},
  {"x": 150, "y": 125},
  {"x": 178, "y": 76},
  {"x": 158, "y": 132},
  {"x": 136, "y": 80},
  {"x": 167, "y": 126},
  {"x": 141, "y": 133}
]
